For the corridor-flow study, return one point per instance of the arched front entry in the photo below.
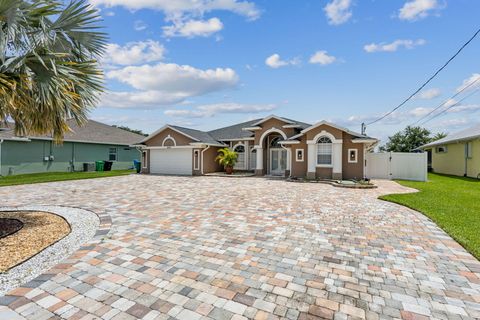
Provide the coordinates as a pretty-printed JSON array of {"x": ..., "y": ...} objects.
[{"x": 272, "y": 159}]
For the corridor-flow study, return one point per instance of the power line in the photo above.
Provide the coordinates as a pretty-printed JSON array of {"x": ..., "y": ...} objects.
[
  {"x": 429, "y": 79},
  {"x": 452, "y": 106},
  {"x": 446, "y": 101}
]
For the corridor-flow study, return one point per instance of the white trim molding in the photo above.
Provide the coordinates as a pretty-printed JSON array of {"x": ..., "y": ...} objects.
[
  {"x": 356, "y": 156},
  {"x": 196, "y": 161},
  {"x": 324, "y": 133},
  {"x": 145, "y": 157},
  {"x": 271, "y": 117},
  {"x": 252, "y": 128},
  {"x": 291, "y": 126},
  {"x": 267, "y": 132},
  {"x": 177, "y": 147},
  {"x": 169, "y": 137},
  {"x": 168, "y": 127},
  {"x": 238, "y": 139},
  {"x": 290, "y": 142}
]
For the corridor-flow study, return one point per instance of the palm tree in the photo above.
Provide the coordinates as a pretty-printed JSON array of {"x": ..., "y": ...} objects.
[
  {"x": 49, "y": 71},
  {"x": 227, "y": 158}
]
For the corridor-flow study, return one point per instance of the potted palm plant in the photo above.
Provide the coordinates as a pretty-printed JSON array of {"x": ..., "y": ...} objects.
[{"x": 227, "y": 158}]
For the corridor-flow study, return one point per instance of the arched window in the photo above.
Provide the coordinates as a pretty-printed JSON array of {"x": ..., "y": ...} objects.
[
  {"x": 324, "y": 151},
  {"x": 239, "y": 149},
  {"x": 274, "y": 143}
]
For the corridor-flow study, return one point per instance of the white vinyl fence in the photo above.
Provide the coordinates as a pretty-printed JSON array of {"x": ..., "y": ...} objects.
[{"x": 397, "y": 165}]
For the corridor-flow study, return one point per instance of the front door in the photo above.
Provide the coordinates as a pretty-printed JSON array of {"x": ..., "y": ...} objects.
[{"x": 278, "y": 161}]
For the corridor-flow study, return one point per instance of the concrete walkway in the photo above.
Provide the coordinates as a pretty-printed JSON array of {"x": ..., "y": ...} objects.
[{"x": 221, "y": 248}]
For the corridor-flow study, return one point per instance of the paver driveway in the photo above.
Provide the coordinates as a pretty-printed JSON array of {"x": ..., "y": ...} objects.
[{"x": 223, "y": 248}]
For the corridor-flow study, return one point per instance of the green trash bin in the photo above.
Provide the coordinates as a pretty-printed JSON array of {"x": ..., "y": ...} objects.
[{"x": 99, "y": 165}]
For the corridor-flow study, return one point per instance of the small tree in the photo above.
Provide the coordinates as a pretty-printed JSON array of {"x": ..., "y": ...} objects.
[
  {"x": 410, "y": 139},
  {"x": 227, "y": 158}
]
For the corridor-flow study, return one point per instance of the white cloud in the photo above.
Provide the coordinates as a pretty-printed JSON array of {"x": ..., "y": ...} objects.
[
  {"x": 141, "y": 99},
  {"x": 165, "y": 84},
  {"x": 133, "y": 53},
  {"x": 139, "y": 25},
  {"x": 192, "y": 28},
  {"x": 178, "y": 8},
  {"x": 429, "y": 94},
  {"x": 322, "y": 57},
  {"x": 175, "y": 78},
  {"x": 393, "y": 46},
  {"x": 274, "y": 61},
  {"x": 418, "y": 9},
  {"x": 211, "y": 110},
  {"x": 338, "y": 11},
  {"x": 473, "y": 81},
  {"x": 464, "y": 108}
]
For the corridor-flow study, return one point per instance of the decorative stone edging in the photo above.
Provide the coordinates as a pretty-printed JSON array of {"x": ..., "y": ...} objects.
[
  {"x": 336, "y": 184},
  {"x": 86, "y": 227},
  {"x": 233, "y": 175}
]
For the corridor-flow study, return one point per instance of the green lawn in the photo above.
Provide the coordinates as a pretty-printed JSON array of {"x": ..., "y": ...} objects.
[
  {"x": 452, "y": 202},
  {"x": 58, "y": 176}
]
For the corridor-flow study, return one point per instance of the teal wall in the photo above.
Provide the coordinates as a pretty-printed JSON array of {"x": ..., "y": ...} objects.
[{"x": 19, "y": 157}]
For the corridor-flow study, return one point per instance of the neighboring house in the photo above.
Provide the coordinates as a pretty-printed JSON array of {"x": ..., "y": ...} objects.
[
  {"x": 268, "y": 146},
  {"x": 457, "y": 154},
  {"x": 89, "y": 143}
]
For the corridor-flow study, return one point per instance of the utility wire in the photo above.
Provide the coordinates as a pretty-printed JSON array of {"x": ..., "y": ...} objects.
[
  {"x": 446, "y": 101},
  {"x": 429, "y": 79},
  {"x": 452, "y": 106}
]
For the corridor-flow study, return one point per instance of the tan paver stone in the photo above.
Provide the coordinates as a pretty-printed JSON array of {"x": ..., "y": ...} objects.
[{"x": 201, "y": 247}]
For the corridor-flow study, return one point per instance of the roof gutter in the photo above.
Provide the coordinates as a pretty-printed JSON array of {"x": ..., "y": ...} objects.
[{"x": 435, "y": 143}]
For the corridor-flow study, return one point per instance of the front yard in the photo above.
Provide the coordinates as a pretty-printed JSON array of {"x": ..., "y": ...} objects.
[
  {"x": 452, "y": 202},
  {"x": 58, "y": 176}
]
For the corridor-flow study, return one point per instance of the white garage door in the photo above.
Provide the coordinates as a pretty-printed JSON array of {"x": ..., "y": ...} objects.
[{"x": 171, "y": 161}]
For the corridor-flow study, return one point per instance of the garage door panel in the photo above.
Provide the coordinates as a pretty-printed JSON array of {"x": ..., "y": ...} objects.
[{"x": 171, "y": 161}]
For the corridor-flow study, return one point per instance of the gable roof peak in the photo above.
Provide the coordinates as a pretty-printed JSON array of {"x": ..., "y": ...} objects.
[{"x": 272, "y": 116}]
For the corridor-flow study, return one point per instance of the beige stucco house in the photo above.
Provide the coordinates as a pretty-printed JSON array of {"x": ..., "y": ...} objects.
[
  {"x": 457, "y": 154},
  {"x": 268, "y": 146}
]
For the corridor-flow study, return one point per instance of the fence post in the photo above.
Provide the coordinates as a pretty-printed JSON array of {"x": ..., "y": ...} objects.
[{"x": 390, "y": 175}]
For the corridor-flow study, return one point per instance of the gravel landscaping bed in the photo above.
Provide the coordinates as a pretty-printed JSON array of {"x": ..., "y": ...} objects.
[
  {"x": 83, "y": 225},
  {"x": 40, "y": 230}
]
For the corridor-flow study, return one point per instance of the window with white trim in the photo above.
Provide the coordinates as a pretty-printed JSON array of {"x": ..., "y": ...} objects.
[
  {"x": 352, "y": 155},
  {"x": 441, "y": 149},
  {"x": 196, "y": 160},
  {"x": 324, "y": 151},
  {"x": 112, "y": 154},
  {"x": 144, "y": 159},
  {"x": 299, "y": 155}
]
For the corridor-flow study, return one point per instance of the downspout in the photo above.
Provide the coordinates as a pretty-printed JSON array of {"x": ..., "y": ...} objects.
[
  {"x": 1, "y": 141},
  {"x": 201, "y": 157},
  {"x": 465, "y": 148},
  {"x": 289, "y": 156}
]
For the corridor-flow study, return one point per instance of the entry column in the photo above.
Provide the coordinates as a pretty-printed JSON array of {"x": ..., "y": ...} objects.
[
  {"x": 259, "y": 169},
  {"x": 311, "y": 161}
]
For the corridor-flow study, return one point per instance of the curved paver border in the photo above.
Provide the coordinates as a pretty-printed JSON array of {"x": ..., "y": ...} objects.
[{"x": 86, "y": 227}]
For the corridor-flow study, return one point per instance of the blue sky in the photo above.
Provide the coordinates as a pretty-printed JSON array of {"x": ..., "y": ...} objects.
[{"x": 210, "y": 63}]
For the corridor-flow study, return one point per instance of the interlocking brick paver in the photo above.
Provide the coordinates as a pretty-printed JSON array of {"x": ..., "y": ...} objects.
[{"x": 220, "y": 248}]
